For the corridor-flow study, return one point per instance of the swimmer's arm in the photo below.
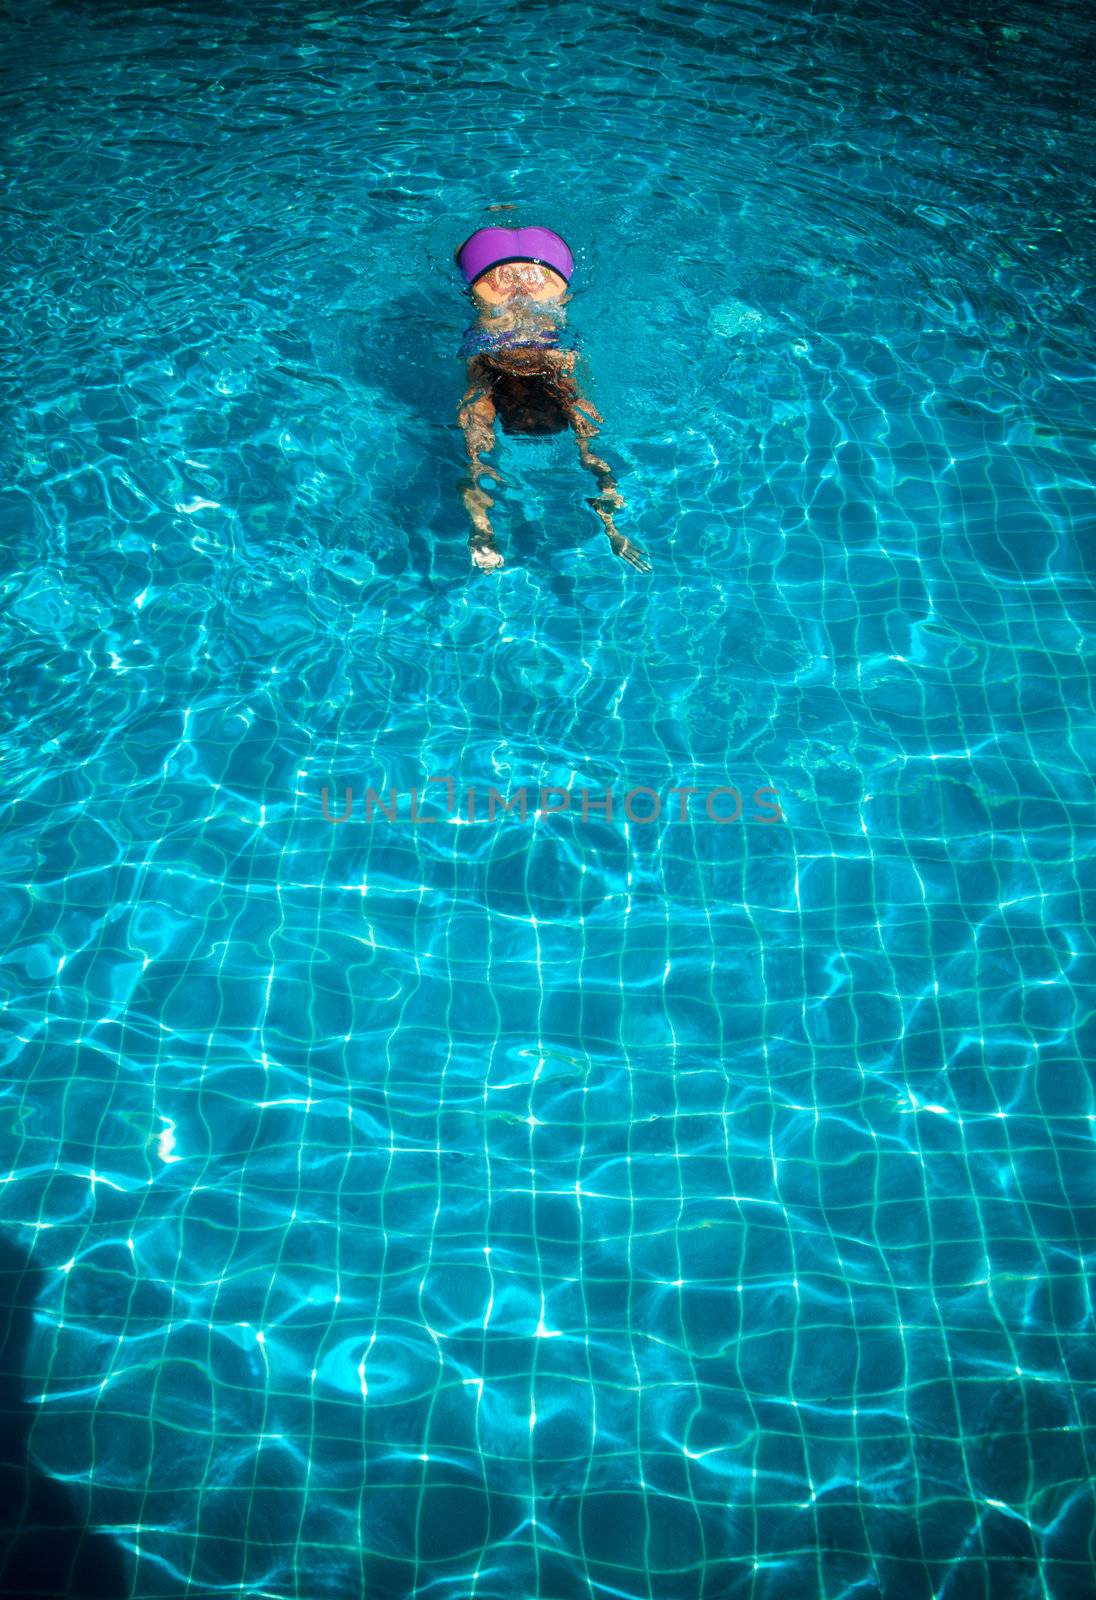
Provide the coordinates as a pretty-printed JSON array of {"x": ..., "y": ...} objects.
[
  {"x": 582, "y": 414},
  {"x": 607, "y": 500},
  {"x": 476, "y": 416}
]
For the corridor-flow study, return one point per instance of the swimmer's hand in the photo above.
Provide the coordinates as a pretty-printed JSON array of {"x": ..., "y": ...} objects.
[
  {"x": 485, "y": 556},
  {"x": 609, "y": 500},
  {"x": 629, "y": 552}
]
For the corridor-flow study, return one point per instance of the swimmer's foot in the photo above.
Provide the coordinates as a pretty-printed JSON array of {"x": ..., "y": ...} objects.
[
  {"x": 485, "y": 556},
  {"x": 629, "y": 552}
]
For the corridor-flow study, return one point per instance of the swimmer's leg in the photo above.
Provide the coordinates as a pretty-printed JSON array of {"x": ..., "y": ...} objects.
[{"x": 476, "y": 417}]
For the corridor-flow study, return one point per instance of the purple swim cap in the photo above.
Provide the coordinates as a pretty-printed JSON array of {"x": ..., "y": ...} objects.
[{"x": 491, "y": 247}]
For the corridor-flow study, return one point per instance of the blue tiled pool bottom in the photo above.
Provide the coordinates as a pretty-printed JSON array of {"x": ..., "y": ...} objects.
[{"x": 506, "y": 1210}]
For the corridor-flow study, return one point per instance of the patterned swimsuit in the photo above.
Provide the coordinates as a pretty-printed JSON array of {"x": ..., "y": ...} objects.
[{"x": 481, "y": 341}]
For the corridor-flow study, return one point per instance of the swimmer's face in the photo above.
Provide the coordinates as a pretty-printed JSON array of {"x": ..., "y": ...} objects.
[{"x": 518, "y": 280}]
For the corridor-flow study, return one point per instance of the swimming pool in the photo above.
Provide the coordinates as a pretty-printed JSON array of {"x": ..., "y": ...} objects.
[{"x": 576, "y": 1206}]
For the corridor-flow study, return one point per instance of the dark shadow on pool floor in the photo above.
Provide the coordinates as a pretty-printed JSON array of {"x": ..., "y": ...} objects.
[{"x": 46, "y": 1552}]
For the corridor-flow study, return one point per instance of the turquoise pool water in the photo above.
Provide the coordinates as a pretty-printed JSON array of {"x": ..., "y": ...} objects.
[{"x": 503, "y": 1210}]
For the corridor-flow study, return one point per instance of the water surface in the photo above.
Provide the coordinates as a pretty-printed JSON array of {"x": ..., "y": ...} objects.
[{"x": 679, "y": 1211}]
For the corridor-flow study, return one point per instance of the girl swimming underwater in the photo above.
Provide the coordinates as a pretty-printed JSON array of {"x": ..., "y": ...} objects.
[{"x": 519, "y": 375}]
